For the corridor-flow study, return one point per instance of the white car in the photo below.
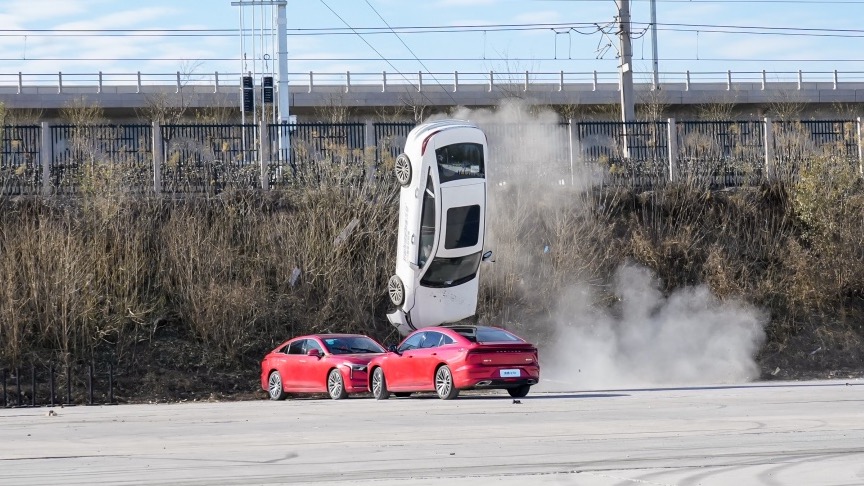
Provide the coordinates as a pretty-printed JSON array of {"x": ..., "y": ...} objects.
[{"x": 442, "y": 223}]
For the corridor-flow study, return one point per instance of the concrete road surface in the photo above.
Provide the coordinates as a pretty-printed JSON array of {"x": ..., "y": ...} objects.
[{"x": 801, "y": 433}]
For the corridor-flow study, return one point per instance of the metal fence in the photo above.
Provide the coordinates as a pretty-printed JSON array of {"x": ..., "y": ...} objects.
[
  {"x": 206, "y": 158},
  {"x": 92, "y": 157},
  {"x": 20, "y": 170},
  {"x": 48, "y": 384},
  {"x": 188, "y": 158}
]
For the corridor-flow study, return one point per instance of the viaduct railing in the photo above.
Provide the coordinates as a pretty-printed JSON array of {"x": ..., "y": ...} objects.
[
  {"x": 137, "y": 82},
  {"x": 64, "y": 159}
]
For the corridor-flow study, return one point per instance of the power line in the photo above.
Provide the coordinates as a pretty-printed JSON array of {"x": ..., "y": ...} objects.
[
  {"x": 422, "y": 59},
  {"x": 437, "y": 29},
  {"x": 372, "y": 47},
  {"x": 409, "y": 50}
]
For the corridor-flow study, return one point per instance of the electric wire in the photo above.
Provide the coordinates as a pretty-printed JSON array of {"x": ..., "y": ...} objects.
[
  {"x": 374, "y": 49},
  {"x": 412, "y": 53}
]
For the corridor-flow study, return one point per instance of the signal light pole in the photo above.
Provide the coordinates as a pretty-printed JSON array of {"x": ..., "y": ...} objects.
[{"x": 284, "y": 115}]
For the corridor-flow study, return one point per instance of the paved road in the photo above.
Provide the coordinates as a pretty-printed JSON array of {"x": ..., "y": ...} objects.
[{"x": 808, "y": 433}]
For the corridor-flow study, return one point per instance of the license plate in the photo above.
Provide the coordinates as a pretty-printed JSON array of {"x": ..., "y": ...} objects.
[{"x": 510, "y": 374}]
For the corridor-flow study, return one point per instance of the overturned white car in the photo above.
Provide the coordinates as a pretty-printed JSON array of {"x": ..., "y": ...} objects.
[{"x": 442, "y": 218}]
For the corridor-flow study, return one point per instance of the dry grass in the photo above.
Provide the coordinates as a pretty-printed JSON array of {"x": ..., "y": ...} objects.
[{"x": 117, "y": 274}]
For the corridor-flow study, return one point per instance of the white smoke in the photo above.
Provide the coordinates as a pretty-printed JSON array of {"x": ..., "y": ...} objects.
[
  {"x": 650, "y": 339},
  {"x": 645, "y": 337}
]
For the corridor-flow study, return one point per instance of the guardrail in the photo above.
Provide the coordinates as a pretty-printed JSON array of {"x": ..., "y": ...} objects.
[
  {"x": 54, "y": 159},
  {"x": 451, "y": 81}
]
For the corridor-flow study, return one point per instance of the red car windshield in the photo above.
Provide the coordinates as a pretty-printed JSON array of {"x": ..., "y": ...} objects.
[{"x": 352, "y": 345}]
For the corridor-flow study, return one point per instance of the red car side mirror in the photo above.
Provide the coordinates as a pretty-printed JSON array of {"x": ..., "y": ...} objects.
[{"x": 314, "y": 352}]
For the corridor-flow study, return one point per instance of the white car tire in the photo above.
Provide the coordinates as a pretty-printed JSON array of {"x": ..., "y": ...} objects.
[
  {"x": 403, "y": 170},
  {"x": 396, "y": 290}
]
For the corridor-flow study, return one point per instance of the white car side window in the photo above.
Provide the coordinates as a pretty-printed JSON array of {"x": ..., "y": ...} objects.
[{"x": 427, "y": 224}]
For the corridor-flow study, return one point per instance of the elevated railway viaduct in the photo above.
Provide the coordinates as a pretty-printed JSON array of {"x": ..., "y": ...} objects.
[{"x": 363, "y": 96}]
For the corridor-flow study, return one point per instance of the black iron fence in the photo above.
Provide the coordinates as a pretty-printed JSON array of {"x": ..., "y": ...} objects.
[
  {"x": 93, "y": 156},
  {"x": 39, "y": 385},
  {"x": 207, "y": 158},
  {"x": 20, "y": 170}
]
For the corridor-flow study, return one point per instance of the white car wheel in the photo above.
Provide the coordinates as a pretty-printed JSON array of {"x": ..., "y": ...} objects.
[
  {"x": 444, "y": 384},
  {"x": 396, "y": 290},
  {"x": 335, "y": 385},
  {"x": 274, "y": 387},
  {"x": 379, "y": 385},
  {"x": 403, "y": 170}
]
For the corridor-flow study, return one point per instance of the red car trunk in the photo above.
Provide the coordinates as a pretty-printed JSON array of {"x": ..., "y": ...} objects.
[{"x": 503, "y": 355}]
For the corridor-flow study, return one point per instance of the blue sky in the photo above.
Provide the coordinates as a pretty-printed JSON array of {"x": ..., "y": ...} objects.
[{"x": 31, "y": 44}]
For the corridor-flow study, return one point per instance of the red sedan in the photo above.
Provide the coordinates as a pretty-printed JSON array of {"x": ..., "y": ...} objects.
[
  {"x": 448, "y": 359},
  {"x": 332, "y": 363}
]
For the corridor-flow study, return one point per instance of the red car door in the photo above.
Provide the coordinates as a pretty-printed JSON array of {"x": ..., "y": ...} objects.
[
  {"x": 398, "y": 369},
  {"x": 425, "y": 361},
  {"x": 315, "y": 368},
  {"x": 289, "y": 365}
]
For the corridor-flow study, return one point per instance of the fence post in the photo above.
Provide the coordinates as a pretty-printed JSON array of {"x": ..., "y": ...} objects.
[
  {"x": 110, "y": 383},
  {"x": 860, "y": 147},
  {"x": 20, "y": 82},
  {"x": 419, "y": 81},
  {"x": 46, "y": 151},
  {"x": 157, "y": 157},
  {"x": 68, "y": 385},
  {"x": 491, "y": 80},
  {"x": 90, "y": 383},
  {"x": 570, "y": 140},
  {"x": 384, "y": 81},
  {"x": 264, "y": 155},
  {"x": 769, "y": 149},
  {"x": 216, "y": 82},
  {"x": 99, "y": 89},
  {"x": 60, "y": 82},
  {"x": 369, "y": 136},
  {"x": 455, "y": 81},
  {"x": 52, "y": 385},
  {"x": 32, "y": 385},
  {"x": 5, "y": 394},
  {"x": 672, "y": 140}
]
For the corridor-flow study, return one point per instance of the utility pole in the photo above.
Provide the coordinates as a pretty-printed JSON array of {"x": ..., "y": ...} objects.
[
  {"x": 628, "y": 110},
  {"x": 656, "y": 84},
  {"x": 282, "y": 63}
]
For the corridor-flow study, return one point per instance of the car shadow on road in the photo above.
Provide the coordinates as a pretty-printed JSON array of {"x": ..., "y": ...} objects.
[{"x": 544, "y": 396}]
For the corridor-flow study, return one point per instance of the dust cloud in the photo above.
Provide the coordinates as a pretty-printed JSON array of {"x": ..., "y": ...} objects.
[
  {"x": 647, "y": 338},
  {"x": 641, "y": 338}
]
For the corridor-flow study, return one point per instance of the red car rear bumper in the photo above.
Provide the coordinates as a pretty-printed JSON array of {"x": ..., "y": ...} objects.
[{"x": 478, "y": 376}]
